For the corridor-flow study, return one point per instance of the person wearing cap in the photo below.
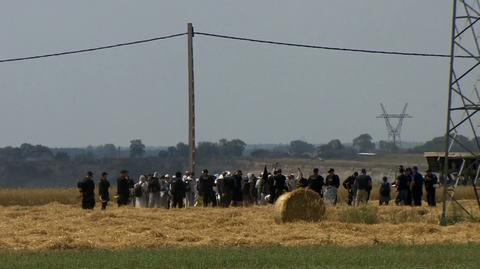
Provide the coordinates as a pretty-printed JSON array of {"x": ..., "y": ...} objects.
[
  {"x": 103, "y": 190},
  {"x": 332, "y": 182},
  {"x": 348, "y": 184},
  {"x": 205, "y": 189},
  {"x": 363, "y": 183},
  {"x": 279, "y": 184},
  {"x": 87, "y": 189},
  {"x": 153, "y": 191},
  {"x": 124, "y": 185},
  {"x": 271, "y": 186},
  {"x": 431, "y": 183},
  {"x": 178, "y": 188},
  {"x": 403, "y": 187},
  {"x": 315, "y": 182}
]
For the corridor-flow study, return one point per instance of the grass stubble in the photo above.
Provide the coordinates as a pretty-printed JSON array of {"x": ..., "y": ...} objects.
[{"x": 58, "y": 226}]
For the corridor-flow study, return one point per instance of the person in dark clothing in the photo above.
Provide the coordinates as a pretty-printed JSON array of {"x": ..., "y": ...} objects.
[
  {"x": 271, "y": 187},
  {"x": 124, "y": 185},
  {"x": 417, "y": 187},
  {"x": 403, "y": 188},
  {"x": 385, "y": 190},
  {"x": 409, "y": 174},
  {"x": 153, "y": 190},
  {"x": 247, "y": 199},
  {"x": 103, "y": 190},
  {"x": 332, "y": 182},
  {"x": 237, "y": 198},
  {"x": 348, "y": 184},
  {"x": 178, "y": 191},
  {"x": 279, "y": 181},
  {"x": 431, "y": 182},
  {"x": 87, "y": 189},
  {"x": 363, "y": 183},
  {"x": 315, "y": 182},
  {"x": 252, "y": 180},
  {"x": 205, "y": 189},
  {"x": 224, "y": 188}
]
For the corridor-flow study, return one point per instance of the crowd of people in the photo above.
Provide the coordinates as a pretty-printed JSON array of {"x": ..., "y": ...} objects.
[{"x": 234, "y": 189}]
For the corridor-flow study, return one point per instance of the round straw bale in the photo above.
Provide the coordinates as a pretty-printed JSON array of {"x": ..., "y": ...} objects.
[{"x": 301, "y": 204}]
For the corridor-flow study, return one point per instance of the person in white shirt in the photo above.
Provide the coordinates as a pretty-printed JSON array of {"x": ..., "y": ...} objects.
[{"x": 140, "y": 191}]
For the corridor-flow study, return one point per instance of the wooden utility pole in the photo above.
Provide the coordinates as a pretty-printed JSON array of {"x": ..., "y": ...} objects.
[{"x": 191, "y": 101}]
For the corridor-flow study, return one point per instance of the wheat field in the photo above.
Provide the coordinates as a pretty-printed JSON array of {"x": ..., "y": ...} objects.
[
  {"x": 71, "y": 196},
  {"x": 60, "y": 226}
]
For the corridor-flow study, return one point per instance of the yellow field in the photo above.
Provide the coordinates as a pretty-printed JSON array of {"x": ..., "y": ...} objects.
[
  {"x": 71, "y": 196},
  {"x": 57, "y": 226}
]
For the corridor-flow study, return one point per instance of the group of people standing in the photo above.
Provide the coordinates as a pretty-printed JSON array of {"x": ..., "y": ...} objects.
[
  {"x": 410, "y": 184},
  {"x": 234, "y": 189}
]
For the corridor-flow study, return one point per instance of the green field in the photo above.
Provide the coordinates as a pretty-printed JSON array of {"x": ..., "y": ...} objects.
[{"x": 453, "y": 256}]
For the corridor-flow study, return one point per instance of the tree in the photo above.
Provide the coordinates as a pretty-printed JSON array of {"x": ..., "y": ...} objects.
[
  {"x": 261, "y": 153},
  {"x": 10, "y": 154},
  {"x": 233, "y": 148},
  {"x": 62, "y": 156},
  {"x": 172, "y": 152},
  {"x": 207, "y": 150},
  {"x": 438, "y": 144},
  {"x": 137, "y": 148},
  {"x": 299, "y": 147},
  {"x": 106, "y": 151},
  {"x": 182, "y": 150},
  {"x": 387, "y": 146},
  {"x": 38, "y": 152},
  {"x": 85, "y": 157},
  {"x": 332, "y": 149},
  {"x": 363, "y": 143}
]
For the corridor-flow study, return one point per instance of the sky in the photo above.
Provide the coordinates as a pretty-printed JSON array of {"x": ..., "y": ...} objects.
[{"x": 256, "y": 92}]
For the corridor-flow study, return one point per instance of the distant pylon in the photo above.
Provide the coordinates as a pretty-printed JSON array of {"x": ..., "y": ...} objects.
[{"x": 394, "y": 132}]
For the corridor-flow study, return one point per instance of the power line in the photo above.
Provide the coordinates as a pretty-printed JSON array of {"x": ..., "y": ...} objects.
[
  {"x": 385, "y": 52},
  {"x": 333, "y": 48},
  {"x": 90, "y": 49}
]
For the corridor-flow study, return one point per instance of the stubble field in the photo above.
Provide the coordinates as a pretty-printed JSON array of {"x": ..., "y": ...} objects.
[
  {"x": 57, "y": 226},
  {"x": 45, "y": 228}
]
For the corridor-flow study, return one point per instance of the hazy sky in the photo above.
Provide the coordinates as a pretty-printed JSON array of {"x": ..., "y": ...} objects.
[{"x": 259, "y": 93}]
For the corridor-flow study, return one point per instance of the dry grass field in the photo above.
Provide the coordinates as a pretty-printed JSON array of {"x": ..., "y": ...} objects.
[
  {"x": 71, "y": 196},
  {"x": 41, "y": 220},
  {"x": 57, "y": 226}
]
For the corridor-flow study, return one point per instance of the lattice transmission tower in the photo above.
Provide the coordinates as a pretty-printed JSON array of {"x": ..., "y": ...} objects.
[
  {"x": 462, "y": 113},
  {"x": 394, "y": 131}
]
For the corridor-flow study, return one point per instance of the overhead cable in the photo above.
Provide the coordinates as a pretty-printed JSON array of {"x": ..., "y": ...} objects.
[
  {"x": 16, "y": 59},
  {"x": 401, "y": 53}
]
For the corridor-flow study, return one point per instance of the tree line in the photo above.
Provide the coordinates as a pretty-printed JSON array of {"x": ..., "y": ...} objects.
[{"x": 223, "y": 148}]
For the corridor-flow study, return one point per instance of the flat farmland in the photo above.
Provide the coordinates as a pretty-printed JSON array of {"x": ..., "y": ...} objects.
[{"x": 58, "y": 227}]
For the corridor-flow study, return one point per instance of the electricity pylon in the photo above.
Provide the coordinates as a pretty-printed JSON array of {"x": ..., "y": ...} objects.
[
  {"x": 394, "y": 132},
  {"x": 462, "y": 112}
]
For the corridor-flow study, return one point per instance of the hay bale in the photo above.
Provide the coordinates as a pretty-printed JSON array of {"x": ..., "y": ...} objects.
[{"x": 301, "y": 204}]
